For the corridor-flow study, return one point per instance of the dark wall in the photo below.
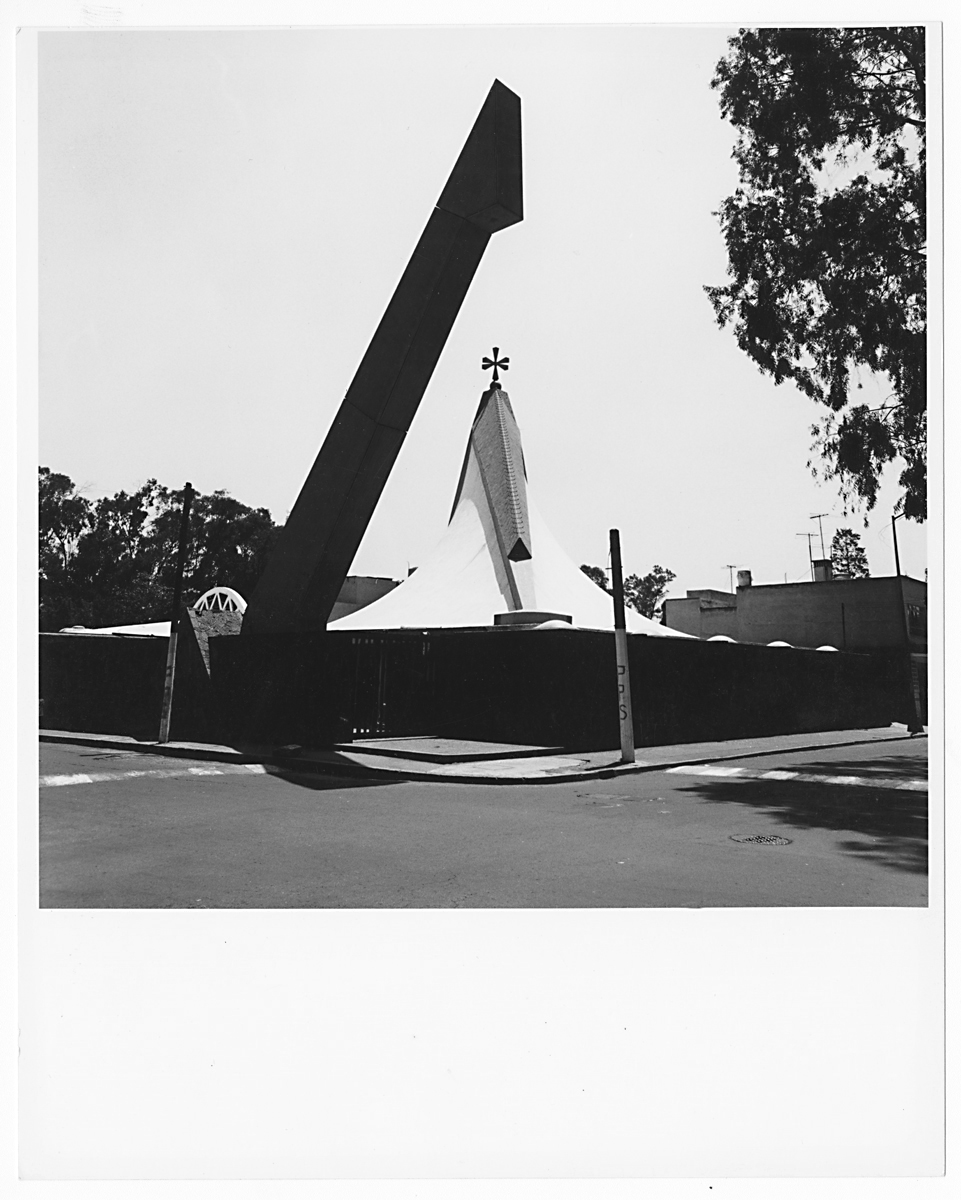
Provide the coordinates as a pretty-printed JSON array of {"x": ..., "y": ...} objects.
[
  {"x": 315, "y": 688},
  {"x": 546, "y": 687},
  {"x": 557, "y": 688},
  {"x": 94, "y": 683}
]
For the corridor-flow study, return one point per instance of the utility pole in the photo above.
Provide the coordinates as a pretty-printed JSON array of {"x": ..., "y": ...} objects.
[
  {"x": 167, "y": 705},
  {"x": 915, "y": 724},
  {"x": 817, "y": 517},
  {"x": 810, "y": 555},
  {"x": 894, "y": 535},
  {"x": 731, "y": 568},
  {"x": 625, "y": 714}
]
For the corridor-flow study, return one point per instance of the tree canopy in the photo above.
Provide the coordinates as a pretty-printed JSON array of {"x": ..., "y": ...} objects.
[
  {"x": 596, "y": 575},
  {"x": 825, "y": 237},
  {"x": 111, "y": 561},
  {"x": 848, "y": 559},
  {"x": 644, "y": 593}
]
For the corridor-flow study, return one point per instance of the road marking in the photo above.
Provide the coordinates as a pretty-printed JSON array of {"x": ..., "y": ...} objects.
[
  {"x": 155, "y": 773},
  {"x": 709, "y": 769},
  {"x": 878, "y": 781}
]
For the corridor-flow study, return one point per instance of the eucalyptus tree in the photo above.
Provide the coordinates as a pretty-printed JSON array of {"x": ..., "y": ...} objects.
[{"x": 826, "y": 238}]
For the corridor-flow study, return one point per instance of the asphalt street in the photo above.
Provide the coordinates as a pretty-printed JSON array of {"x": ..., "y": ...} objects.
[{"x": 835, "y": 826}]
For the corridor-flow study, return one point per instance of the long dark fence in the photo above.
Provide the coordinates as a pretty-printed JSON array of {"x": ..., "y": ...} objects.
[
  {"x": 96, "y": 683},
  {"x": 545, "y": 687}
]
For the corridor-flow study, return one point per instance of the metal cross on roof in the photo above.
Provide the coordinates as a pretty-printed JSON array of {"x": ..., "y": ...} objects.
[{"x": 495, "y": 362}]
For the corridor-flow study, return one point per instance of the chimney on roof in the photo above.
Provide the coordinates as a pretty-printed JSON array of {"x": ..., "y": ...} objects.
[
  {"x": 822, "y": 570},
  {"x": 744, "y": 579}
]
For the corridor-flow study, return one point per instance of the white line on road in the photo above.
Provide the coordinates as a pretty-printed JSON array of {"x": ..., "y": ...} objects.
[
  {"x": 157, "y": 773},
  {"x": 902, "y": 785}
]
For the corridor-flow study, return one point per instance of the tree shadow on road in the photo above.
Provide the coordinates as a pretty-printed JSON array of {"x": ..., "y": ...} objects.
[{"x": 891, "y": 825}]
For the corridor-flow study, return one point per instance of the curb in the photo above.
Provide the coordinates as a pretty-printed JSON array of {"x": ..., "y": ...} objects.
[
  {"x": 294, "y": 765},
  {"x": 198, "y": 751},
  {"x": 601, "y": 772}
]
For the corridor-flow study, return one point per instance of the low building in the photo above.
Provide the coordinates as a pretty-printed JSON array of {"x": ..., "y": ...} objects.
[
  {"x": 880, "y": 616},
  {"x": 703, "y": 613},
  {"x": 848, "y": 614}
]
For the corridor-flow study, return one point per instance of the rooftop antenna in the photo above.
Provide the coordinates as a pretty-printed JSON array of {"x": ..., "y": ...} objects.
[
  {"x": 810, "y": 555},
  {"x": 731, "y": 568},
  {"x": 817, "y": 517}
]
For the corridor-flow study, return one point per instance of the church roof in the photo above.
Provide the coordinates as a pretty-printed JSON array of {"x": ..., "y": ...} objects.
[{"x": 497, "y": 555}]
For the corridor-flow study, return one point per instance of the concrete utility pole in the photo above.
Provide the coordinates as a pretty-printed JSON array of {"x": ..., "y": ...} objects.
[
  {"x": 915, "y": 724},
  {"x": 817, "y": 517},
  {"x": 167, "y": 705},
  {"x": 894, "y": 535},
  {"x": 625, "y": 713}
]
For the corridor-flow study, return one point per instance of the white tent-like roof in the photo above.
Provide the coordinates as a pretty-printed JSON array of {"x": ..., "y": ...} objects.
[
  {"x": 149, "y": 629},
  {"x": 215, "y": 599},
  {"x": 497, "y": 555}
]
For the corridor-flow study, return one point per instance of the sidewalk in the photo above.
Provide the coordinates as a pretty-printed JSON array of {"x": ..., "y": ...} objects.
[{"x": 450, "y": 761}]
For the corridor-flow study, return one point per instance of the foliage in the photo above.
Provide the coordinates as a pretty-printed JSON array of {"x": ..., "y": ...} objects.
[
  {"x": 644, "y": 593},
  {"x": 848, "y": 559},
  {"x": 112, "y": 561},
  {"x": 62, "y": 518},
  {"x": 596, "y": 575},
  {"x": 825, "y": 236}
]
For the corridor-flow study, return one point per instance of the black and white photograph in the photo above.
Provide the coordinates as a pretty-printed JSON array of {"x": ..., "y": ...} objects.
[
  {"x": 484, "y": 467},
  {"x": 555, "y": 532}
]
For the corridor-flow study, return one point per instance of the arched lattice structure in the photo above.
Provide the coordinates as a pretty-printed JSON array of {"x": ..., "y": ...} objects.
[{"x": 221, "y": 599}]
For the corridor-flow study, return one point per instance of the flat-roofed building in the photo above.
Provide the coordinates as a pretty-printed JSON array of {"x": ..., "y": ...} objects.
[{"x": 848, "y": 614}]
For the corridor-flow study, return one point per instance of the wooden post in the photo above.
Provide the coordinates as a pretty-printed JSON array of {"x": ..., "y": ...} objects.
[
  {"x": 625, "y": 713},
  {"x": 167, "y": 705}
]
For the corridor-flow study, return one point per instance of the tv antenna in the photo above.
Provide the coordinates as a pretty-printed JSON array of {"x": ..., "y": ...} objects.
[
  {"x": 817, "y": 517},
  {"x": 810, "y": 555}
]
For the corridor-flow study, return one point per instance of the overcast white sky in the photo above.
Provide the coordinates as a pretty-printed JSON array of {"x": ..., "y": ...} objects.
[{"x": 224, "y": 216}]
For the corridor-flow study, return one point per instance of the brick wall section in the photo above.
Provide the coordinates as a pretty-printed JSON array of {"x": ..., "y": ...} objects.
[{"x": 850, "y": 614}]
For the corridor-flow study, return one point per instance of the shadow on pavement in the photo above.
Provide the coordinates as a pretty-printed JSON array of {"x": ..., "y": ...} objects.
[
  {"x": 893, "y": 823},
  {"x": 317, "y": 782}
]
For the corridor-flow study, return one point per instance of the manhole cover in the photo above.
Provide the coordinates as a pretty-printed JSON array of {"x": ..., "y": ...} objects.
[{"x": 761, "y": 839}]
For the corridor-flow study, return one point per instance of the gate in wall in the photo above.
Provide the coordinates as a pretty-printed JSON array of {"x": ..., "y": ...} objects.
[{"x": 389, "y": 684}]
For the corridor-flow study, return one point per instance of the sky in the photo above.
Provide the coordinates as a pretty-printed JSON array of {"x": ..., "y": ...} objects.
[{"x": 223, "y": 217}]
